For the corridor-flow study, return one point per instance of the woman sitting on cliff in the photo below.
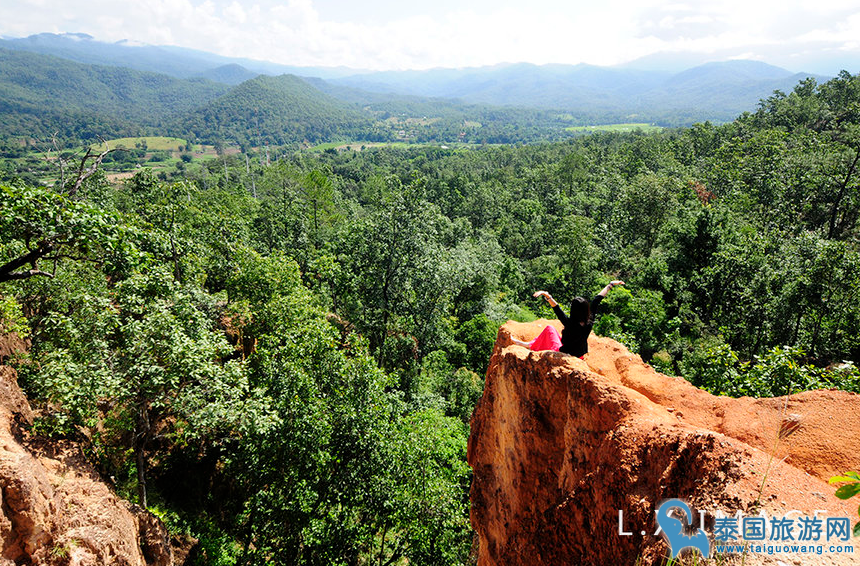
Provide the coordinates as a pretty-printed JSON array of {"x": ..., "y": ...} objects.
[{"x": 574, "y": 338}]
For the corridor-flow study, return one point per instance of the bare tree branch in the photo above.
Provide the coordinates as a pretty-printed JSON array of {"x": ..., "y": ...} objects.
[
  {"x": 85, "y": 172},
  {"x": 26, "y": 275},
  {"x": 831, "y": 232},
  {"x": 86, "y": 168},
  {"x": 59, "y": 159},
  {"x": 8, "y": 270}
]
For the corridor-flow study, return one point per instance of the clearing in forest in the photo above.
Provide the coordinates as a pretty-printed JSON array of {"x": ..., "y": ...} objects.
[
  {"x": 155, "y": 143},
  {"x": 629, "y": 127}
]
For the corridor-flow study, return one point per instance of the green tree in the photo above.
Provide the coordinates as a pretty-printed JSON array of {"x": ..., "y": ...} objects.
[
  {"x": 386, "y": 255},
  {"x": 318, "y": 193},
  {"x": 138, "y": 351},
  {"x": 326, "y": 472},
  {"x": 40, "y": 225}
]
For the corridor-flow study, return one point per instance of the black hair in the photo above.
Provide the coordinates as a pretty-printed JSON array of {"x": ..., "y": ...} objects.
[{"x": 580, "y": 310}]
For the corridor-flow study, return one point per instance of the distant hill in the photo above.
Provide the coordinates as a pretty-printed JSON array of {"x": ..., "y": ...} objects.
[
  {"x": 659, "y": 88},
  {"x": 84, "y": 48},
  {"x": 518, "y": 84},
  {"x": 275, "y": 110},
  {"x": 735, "y": 71},
  {"x": 41, "y": 94},
  {"x": 175, "y": 61},
  {"x": 715, "y": 91},
  {"x": 231, "y": 74},
  {"x": 63, "y": 95},
  {"x": 720, "y": 91},
  {"x": 452, "y": 114}
]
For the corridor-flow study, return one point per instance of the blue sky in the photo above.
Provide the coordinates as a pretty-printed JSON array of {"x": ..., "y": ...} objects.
[{"x": 818, "y": 36}]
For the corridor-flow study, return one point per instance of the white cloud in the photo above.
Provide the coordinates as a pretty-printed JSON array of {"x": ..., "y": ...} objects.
[
  {"x": 235, "y": 12},
  {"x": 541, "y": 31}
]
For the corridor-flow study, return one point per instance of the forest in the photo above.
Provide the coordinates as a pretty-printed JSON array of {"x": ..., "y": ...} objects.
[
  {"x": 43, "y": 97},
  {"x": 281, "y": 359}
]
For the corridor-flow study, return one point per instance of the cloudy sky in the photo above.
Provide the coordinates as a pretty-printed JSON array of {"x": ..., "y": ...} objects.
[{"x": 802, "y": 35}]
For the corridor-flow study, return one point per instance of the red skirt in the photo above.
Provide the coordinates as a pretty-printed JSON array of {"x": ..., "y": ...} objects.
[{"x": 548, "y": 339}]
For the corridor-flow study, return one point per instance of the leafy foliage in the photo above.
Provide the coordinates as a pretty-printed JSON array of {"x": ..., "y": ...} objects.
[
  {"x": 11, "y": 317},
  {"x": 39, "y": 224},
  {"x": 849, "y": 490}
]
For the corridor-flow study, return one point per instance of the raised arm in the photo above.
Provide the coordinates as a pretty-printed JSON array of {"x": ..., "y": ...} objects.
[
  {"x": 608, "y": 287},
  {"x": 546, "y": 296},
  {"x": 557, "y": 309}
]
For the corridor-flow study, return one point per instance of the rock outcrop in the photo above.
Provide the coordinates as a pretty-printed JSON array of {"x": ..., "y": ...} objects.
[
  {"x": 54, "y": 508},
  {"x": 560, "y": 445}
]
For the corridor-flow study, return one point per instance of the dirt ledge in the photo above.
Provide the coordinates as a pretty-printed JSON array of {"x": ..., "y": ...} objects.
[{"x": 54, "y": 508}]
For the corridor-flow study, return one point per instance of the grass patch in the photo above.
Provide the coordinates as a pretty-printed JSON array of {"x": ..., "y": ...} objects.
[
  {"x": 629, "y": 127},
  {"x": 412, "y": 121},
  {"x": 151, "y": 143},
  {"x": 358, "y": 145}
]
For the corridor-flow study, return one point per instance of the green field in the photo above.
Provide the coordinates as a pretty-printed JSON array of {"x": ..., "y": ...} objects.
[
  {"x": 357, "y": 146},
  {"x": 154, "y": 143},
  {"x": 647, "y": 128},
  {"x": 354, "y": 145}
]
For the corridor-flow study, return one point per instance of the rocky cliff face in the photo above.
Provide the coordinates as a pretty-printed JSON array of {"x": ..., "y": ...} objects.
[
  {"x": 559, "y": 445},
  {"x": 54, "y": 509}
]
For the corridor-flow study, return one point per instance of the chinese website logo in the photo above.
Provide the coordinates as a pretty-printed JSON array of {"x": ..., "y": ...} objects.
[
  {"x": 791, "y": 533},
  {"x": 674, "y": 529}
]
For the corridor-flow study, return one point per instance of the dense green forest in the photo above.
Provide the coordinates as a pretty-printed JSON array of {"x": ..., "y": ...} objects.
[
  {"x": 281, "y": 360},
  {"x": 43, "y": 97},
  {"x": 276, "y": 110}
]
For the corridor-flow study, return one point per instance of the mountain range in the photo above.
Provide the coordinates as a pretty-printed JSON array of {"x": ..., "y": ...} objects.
[
  {"x": 124, "y": 86},
  {"x": 716, "y": 91},
  {"x": 178, "y": 62}
]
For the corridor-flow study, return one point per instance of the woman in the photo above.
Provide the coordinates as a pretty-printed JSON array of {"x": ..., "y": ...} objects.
[{"x": 574, "y": 338}]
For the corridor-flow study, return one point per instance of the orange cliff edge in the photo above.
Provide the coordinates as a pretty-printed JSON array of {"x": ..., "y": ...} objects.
[
  {"x": 54, "y": 507},
  {"x": 559, "y": 445}
]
